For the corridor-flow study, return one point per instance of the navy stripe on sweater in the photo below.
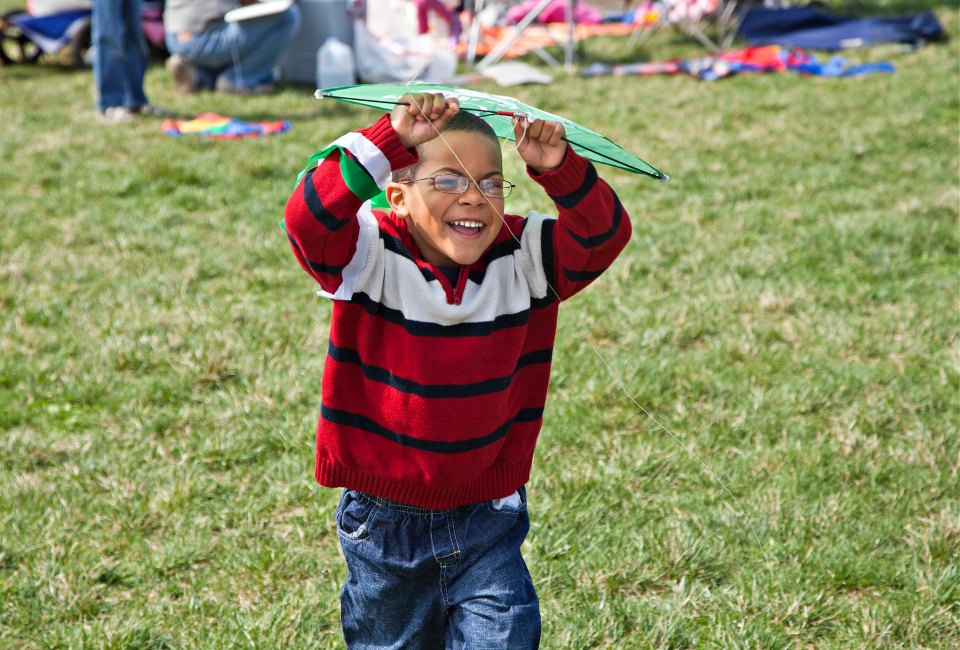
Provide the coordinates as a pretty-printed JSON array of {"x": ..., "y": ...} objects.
[
  {"x": 363, "y": 423},
  {"x": 319, "y": 211},
  {"x": 576, "y": 275},
  {"x": 329, "y": 269},
  {"x": 549, "y": 267},
  {"x": 505, "y": 248},
  {"x": 421, "y": 328},
  {"x": 317, "y": 267},
  {"x": 395, "y": 245},
  {"x": 384, "y": 376},
  {"x": 570, "y": 200},
  {"x": 597, "y": 240}
]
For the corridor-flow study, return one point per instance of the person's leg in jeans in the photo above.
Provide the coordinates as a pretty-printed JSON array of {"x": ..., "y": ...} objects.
[
  {"x": 238, "y": 55},
  {"x": 491, "y": 598},
  {"x": 191, "y": 62},
  {"x": 391, "y": 598},
  {"x": 259, "y": 44},
  {"x": 433, "y": 579},
  {"x": 119, "y": 60}
]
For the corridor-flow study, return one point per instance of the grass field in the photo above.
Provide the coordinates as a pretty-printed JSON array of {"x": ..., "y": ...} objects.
[{"x": 787, "y": 309}]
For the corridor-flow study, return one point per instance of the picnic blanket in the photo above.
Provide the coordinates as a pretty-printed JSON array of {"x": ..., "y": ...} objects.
[
  {"x": 220, "y": 127},
  {"x": 768, "y": 58}
]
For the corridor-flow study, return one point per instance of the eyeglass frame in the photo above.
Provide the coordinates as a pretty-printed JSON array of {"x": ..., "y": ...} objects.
[{"x": 507, "y": 187}]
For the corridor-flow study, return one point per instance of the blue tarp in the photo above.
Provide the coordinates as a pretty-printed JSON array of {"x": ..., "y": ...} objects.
[
  {"x": 812, "y": 29},
  {"x": 53, "y": 32}
]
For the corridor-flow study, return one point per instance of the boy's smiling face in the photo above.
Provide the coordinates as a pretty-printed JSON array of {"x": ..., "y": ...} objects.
[{"x": 452, "y": 229}]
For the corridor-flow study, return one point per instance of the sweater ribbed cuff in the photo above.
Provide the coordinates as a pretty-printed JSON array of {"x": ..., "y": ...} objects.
[
  {"x": 381, "y": 134},
  {"x": 566, "y": 178}
]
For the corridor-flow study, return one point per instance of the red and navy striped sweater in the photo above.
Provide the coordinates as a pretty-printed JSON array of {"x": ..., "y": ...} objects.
[{"x": 433, "y": 394}]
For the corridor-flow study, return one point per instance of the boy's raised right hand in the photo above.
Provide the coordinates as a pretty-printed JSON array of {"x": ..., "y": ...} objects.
[{"x": 419, "y": 117}]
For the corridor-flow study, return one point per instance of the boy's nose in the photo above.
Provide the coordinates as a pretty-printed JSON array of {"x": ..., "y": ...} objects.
[{"x": 472, "y": 194}]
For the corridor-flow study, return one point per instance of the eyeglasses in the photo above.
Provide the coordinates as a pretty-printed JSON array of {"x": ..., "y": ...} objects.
[{"x": 494, "y": 188}]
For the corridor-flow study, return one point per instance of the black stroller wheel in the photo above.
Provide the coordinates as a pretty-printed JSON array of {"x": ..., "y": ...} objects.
[{"x": 15, "y": 46}]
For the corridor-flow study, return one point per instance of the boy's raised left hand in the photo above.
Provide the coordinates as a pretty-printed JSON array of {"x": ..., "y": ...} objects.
[
  {"x": 542, "y": 147},
  {"x": 419, "y": 117}
]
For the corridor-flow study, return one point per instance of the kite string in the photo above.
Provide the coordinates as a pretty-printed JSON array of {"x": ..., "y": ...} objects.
[
  {"x": 523, "y": 137},
  {"x": 709, "y": 470}
]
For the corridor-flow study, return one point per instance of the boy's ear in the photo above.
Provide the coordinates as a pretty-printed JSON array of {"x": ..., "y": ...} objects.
[{"x": 397, "y": 198}]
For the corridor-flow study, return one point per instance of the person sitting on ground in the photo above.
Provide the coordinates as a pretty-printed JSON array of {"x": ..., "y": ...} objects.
[{"x": 207, "y": 52}]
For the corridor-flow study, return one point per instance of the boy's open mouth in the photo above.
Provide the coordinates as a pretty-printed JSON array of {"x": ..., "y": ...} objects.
[{"x": 467, "y": 227}]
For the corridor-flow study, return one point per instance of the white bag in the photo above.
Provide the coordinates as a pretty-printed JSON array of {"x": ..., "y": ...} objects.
[
  {"x": 376, "y": 63},
  {"x": 400, "y": 59}
]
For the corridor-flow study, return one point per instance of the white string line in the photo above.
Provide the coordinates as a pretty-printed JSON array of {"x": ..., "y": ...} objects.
[
  {"x": 523, "y": 137},
  {"x": 615, "y": 377},
  {"x": 237, "y": 66},
  {"x": 687, "y": 449}
]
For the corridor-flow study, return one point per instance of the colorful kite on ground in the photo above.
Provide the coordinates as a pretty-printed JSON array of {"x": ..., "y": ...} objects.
[{"x": 219, "y": 127}]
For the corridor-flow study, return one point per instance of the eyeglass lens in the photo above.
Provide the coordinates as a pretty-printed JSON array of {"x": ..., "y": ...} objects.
[{"x": 453, "y": 184}]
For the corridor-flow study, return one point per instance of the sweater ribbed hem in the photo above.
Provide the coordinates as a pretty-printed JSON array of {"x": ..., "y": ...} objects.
[{"x": 496, "y": 483}]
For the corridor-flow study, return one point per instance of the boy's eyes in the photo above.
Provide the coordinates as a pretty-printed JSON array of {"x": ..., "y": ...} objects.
[
  {"x": 454, "y": 184},
  {"x": 450, "y": 183}
]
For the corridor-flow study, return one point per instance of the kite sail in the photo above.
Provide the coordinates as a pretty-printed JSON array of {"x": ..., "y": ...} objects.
[{"x": 498, "y": 111}]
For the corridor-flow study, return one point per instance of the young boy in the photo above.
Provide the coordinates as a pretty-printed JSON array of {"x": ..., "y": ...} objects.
[{"x": 444, "y": 317}]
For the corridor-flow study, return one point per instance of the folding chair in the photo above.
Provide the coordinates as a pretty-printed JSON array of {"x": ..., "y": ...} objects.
[
  {"x": 691, "y": 17},
  {"x": 504, "y": 45}
]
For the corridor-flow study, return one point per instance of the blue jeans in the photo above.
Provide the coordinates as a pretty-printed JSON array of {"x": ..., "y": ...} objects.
[
  {"x": 243, "y": 53},
  {"x": 435, "y": 578},
  {"x": 120, "y": 59}
]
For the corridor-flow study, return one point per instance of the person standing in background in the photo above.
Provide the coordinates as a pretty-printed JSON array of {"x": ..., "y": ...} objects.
[
  {"x": 231, "y": 57},
  {"x": 119, "y": 62},
  {"x": 452, "y": 18}
]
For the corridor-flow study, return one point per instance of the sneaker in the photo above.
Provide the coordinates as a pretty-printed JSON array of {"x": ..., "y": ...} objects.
[
  {"x": 152, "y": 110},
  {"x": 226, "y": 87},
  {"x": 183, "y": 73},
  {"x": 115, "y": 115}
]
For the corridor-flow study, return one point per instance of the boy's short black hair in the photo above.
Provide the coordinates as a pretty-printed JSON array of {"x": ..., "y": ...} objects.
[{"x": 462, "y": 121}]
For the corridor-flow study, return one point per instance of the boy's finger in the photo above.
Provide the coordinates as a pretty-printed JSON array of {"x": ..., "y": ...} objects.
[
  {"x": 426, "y": 105},
  {"x": 419, "y": 104},
  {"x": 438, "y": 106},
  {"x": 556, "y": 134},
  {"x": 534, "y": 129},
  {"x": 449, "y": 109}
]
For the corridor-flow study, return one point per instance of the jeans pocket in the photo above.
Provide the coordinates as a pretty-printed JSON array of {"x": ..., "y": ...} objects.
[
  {"x": 354, "y": 517},
  {"x": 509, "y": 505}
]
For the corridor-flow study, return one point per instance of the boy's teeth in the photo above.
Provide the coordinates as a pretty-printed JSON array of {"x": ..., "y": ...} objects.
[{"x": 468, "y": 224}]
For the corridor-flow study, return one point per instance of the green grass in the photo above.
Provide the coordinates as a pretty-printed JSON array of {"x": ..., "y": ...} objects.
[{"x": 787, "y": 308}]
